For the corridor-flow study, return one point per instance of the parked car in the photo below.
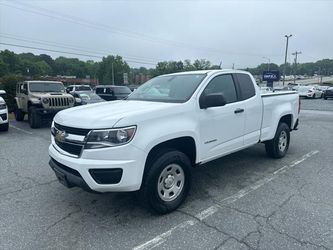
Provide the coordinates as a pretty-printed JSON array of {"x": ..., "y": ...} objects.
[
  {"x": 328, "y": 93},
  {"x": 133, "y": 87},
  {"x": 40, "y": 100},
  {"x": 3, "y": 113},
  {"x": 266, "y": 89},
  {"x": 309, "y": 92},
  {"x": 75, "y": 88},
  {"x": 151, "y": 140},
  {"x": 112, "y": 92},
  {"x": 282, "y": 88},
  {"x": 86, "y": 97}
]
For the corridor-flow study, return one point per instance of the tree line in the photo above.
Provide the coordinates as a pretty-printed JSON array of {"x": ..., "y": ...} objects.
[
  {"x": 16, "y": 67},
  {"x": 34, "y": 66}
]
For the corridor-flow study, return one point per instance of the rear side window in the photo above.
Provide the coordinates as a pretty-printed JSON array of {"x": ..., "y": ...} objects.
[
  {"x": 246, "y": 86},
  {"x": 83, "y": 88},
  {"x": 223, "y": 84},
  {"x": 122, "y": 90}
]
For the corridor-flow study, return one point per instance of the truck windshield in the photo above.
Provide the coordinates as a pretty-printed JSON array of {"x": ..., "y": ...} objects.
[
  {"x": 169, "y": 88},
  {"x": 46, "y": 87}
]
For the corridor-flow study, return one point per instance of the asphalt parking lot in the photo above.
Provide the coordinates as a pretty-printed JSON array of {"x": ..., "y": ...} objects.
[{"x": 243, "y": 201}]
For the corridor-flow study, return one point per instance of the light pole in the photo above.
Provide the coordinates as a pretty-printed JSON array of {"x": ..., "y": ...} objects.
[
  {"x": 112, "y": 74},
  {"x": 268, "y": 62},
  {"x": 285, "y": 58}
]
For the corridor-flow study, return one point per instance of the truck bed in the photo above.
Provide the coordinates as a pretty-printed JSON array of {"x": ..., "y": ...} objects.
[{"x": 277, "y": 103}]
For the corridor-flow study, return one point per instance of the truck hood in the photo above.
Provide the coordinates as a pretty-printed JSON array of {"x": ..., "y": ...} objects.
[
  {"x": 107, "y": 114},
  {"x": 56, "y": 94}
]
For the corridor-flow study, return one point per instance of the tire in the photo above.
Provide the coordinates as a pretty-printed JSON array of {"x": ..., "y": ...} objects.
[
  {"x": 277, "y": 148},
  {"x": 166, "y": 181},
  {"x": 314, "y": 96},
  {"x": 19, "y": 115},
  {"x": 34, "y": 118},
  {"x": 325, "y": 98},
  {"x": 4, "y": 127}
]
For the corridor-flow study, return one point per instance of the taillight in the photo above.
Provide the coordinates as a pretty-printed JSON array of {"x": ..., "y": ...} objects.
[{"x": 299, "y": 104}]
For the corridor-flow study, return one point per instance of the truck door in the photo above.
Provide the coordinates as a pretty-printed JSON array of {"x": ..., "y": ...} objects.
[
  {"x": 221, "y": 128},
  {"x": 253, "y": 108},
  {"x": 24, "y": 97}
]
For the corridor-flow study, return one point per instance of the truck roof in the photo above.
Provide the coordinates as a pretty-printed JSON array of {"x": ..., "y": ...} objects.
[
  {"x": 40, "y": 81},
  {"x": 210, "y": 71}
]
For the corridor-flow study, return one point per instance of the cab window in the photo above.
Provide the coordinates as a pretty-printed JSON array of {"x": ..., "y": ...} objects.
[
  {"x": 246, "y": 86},
  {"x": 222, "y": 84}
]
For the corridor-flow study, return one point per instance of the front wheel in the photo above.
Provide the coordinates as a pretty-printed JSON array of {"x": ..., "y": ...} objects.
[
  {"x": 35, "y": 120},
  {"x": 167, "y": 181},
  {"x": 19, "y": 114},
  {"x": 278, "y": 146}
]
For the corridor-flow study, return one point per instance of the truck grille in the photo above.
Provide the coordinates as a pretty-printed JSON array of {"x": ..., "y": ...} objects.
[
  {"x": 59, "y": 102},
  {"x": 74, "y": 149},
  {"x": 70, "y": 130},
  {"x": 3, "y": 117},
  {"x": 61, "y": 133}
]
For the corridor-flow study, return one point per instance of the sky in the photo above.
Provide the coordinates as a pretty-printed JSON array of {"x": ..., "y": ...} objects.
[{"x": 243, "y": 33}]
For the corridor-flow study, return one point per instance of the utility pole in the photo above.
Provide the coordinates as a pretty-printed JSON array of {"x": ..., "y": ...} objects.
[
  {"x": 112, "y": 74},
  {"x": 285, "y": 58},
  {"x": 295, "y": 68}
]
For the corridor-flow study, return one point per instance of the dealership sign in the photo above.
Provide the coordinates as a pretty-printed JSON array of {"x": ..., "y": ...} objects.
[{"x": 271, "y": 76}]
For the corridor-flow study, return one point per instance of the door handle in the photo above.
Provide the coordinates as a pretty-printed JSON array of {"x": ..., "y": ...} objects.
[{"x": 238, "y": 111}]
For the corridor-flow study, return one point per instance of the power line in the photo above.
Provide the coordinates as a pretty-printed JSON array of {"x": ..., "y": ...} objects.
[
  {"x": 67, "y": 52},
  {"x": 71, "y": 47},
  {"x": 90, "y": 24},
  {"x": 135, "y": 35}
]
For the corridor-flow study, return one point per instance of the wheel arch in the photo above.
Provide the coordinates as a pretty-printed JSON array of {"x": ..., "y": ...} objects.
[{"x": 184, "y": 144}]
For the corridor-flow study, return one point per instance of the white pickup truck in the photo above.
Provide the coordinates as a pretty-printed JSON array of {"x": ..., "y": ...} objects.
[{"x": 151, "y": 140}]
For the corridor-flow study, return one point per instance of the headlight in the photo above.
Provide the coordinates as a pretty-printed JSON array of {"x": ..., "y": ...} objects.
[
  {"x": 110, "y": 137},
  {"x": 35, "y": 100},
  {"x": 3, "y": 105},
  {"x": 45, "y": 100},
  {"x": 71, "y": 100}
]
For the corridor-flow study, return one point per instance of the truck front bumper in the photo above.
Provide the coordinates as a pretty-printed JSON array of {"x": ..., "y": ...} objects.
[
  {"x": 107, "y": 175},
  {"x": 3, "y": 116}
]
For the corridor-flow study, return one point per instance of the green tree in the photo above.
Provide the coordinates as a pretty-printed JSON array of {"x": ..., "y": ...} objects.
[
  {"x": 119, "y": 68},
  {"x": 8, "y": 83},
  {"x": 201, "y": 64}
]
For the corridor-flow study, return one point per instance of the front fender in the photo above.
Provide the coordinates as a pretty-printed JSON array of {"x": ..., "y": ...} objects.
[
  {"x": 18, "y": 104},
  {"x": 156, "y": 131}
]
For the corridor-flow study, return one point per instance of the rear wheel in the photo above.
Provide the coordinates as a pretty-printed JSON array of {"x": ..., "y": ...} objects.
[
  {"x": 167, "y": 181},
  {"x": 34, "y": 118},
  {"x": 19, "y": 114},
  {"x": 278, "y": 146}
]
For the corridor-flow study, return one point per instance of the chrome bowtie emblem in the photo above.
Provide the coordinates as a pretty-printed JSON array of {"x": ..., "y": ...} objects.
[{"x": 60, "y": 136}]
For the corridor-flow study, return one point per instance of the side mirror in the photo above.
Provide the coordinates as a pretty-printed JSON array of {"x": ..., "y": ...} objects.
[
  {"x": 2, "y": 92},
  {"x": 212, "y": 100}
]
